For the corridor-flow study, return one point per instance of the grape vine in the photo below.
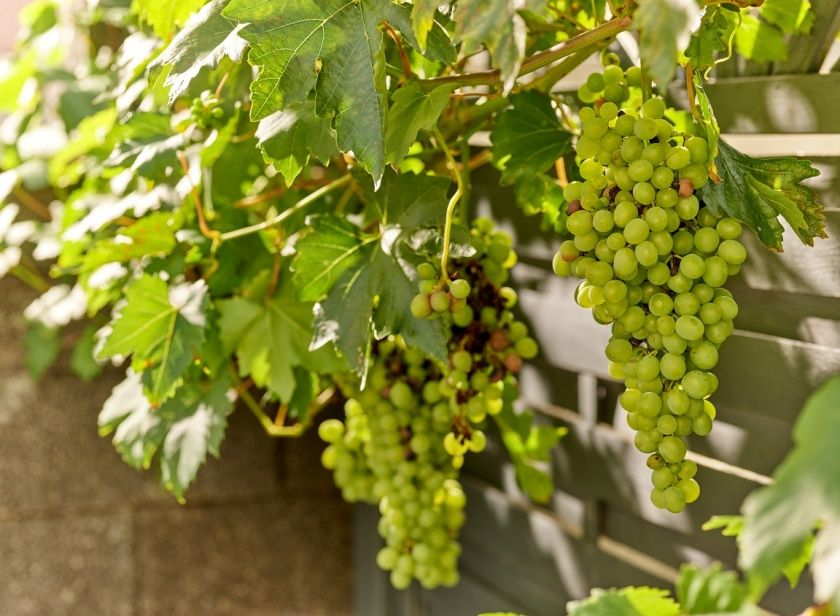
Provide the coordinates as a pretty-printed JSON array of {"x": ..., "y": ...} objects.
[{"x": 270, "y": 206}]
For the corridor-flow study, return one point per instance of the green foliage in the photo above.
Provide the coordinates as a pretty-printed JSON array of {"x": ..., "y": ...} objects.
[
  {"x": 758, "y": 191},
  {"x": 630, "y": 601},
  {"x": 780, "y": 519},
  {"x": 665, "y": 27},
  {"x": 43, "y": 345}
]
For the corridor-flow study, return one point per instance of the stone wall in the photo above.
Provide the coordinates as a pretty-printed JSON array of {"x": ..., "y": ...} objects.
[{"x": 264, "y": 531}]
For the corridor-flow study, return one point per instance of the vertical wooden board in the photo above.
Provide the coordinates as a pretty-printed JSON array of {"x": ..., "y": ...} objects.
[{"x": 777, "y": 104}]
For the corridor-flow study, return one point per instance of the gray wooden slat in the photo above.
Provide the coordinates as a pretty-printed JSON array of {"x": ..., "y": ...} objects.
[{"x": 777, "y": 104}]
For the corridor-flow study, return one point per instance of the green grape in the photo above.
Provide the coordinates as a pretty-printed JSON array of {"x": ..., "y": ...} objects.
[
  {"x": 645, "y": 129},
  {"x": 420, "y": 306},
  {"x": 460, "y": 289},
  {"x": 732, "y": 251},
  {"x": 440, "y": 301}
]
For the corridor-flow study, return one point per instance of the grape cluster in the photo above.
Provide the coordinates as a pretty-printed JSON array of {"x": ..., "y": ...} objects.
[
  {"x": 390, "y": 451},
  {"x": 653, "y": 260},
  {"x": 207, "y": 112},
  {"x": 405, "y": 434},
  {"x": 489, "y": 348}
]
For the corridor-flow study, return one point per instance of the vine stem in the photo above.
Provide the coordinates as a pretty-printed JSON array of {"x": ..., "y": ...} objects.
[
  {"x": 691, "y": 93},
  {"x": 538, "y": 60},
  {"x": 206, "y": 231},
  {"x": 450, "y": 207},
  {"x": 303, "y": 203},
  {"x": 277, "y": 429}
]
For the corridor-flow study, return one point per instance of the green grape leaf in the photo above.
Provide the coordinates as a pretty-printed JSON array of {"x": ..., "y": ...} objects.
[
  {"x": 164, "y": 17},
  {"x": 665, "y": 27},
  {"x": 152, "y": 235},
  {"x": 779, "y": 519},
  {"x": 334, "y": 47},
  {"x": 759, "y": 41},
  {"x": 289, "y": 137},
  {"x": 184, "y": 430},
  {"x": 42, "y": 345},
  {"x": 68, "y": 166},
  {"x": 149, "y": 145},
  {"x": 710, "y": 591},
  {"x": 791, "y": 16},
  {"x": 712, "y": 37},
  {"x": 370, "y": 278},
  {"x": 162, "y": 327},
  {"x": 497, "y": 25},
  {"x": 271, "y": 338},
  {"x": 709, "y": 121},
  {"x": 82, "y": 360},
  {"x": 423, "y": 19},
  {"x": 756, "y": 191},
  {"x": 413, "y": 110},
  {"x": 729, "y": 525},
  {"x": 528, "y": 138},
  {"x": 630, "y": 601},
  {"x": 206, "y": 39}
]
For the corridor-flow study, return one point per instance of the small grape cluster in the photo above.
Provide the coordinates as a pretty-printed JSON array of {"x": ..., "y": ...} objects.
[
  {"x": 653, "y": 259},
  {"x": 207, "y": 112},
  {"x": 395, "y": 457},
  {"x": 487, "y": 349}
]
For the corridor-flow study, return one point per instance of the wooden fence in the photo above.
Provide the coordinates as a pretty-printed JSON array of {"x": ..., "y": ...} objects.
[{"x": 600, "y": 528}]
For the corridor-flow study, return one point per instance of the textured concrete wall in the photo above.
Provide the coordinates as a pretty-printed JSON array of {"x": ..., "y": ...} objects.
[{"x": 264, "y": 531}]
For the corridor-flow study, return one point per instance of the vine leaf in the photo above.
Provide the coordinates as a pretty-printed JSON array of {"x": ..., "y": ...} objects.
[
  {"x": 43, "y": 345},
  {"x": 162, "y": 328},
  {"x": 712, "y": 37},
  {"x": 413, "y": 110},
  {"x": 665, "y": 27},
  {"x": 779, "y": 520},
  {"x": 630, "y": 601},
  {"x": 528, "y": 138},
  {"x": 498, "y": 25},
  {"x": 365, "y": 281},
  {"x": 423, "y": 19},
  {"x": 271, "y": 338},
  {"x": 163, "y": 17},
  {"x": 712, "y": 591},
  {"x": 82, "y": 360},
  {"x": 289, "y": 137},
  {"x": 336, "y": 48},
  {"x": 757, "y": 40},
  {"x": 149, "y": 146},
  {"x": 206, "y": 38},
  {"x": 791, "y": 16},
  {"x": 184, "y": 430},
  {"x": 756, "y": 191}
]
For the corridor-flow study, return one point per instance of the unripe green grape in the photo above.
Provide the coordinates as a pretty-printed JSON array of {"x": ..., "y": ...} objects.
[
  {"x": 683, "y": 242},
  {"x": 585, "y": 242},
  {"x": 595, "y": 128},
  {"x": 667, "y": 425},
  {"x": 634, "y": 319},
  {"x": 667, "y": 198},
  {"x": 662, "y": 178},
  {"x": 624, "y": 125},
  {"x": 646, "y": 254},
  {"x": 640, "y": 170},
  {"x": 702, "y": 425},
  {"x": 572, "y": 190},
  {"x": 661, "y": 304},
  {"x": 619, "y": 350},
  {"x": 689, "y": 327},
  {"x": 710, "y": 313},
  {"x": 672, "y": 449},
  {"x": 636, "y": 231},
  {"x": 666, "y": 325},
  {"x": 678, "y": 402},
  {"x": 427, "y": 271},
  {"x": 728, "y": 308},
  {"x": 706, "y": 218},
  {"x": 645, "y": 128},
  {"x": 655, "y": 154},
  {"x": 648, "y": 368},
  {"x": 674, "y": 221},
  {"x": 698, "y": 148},
  {"x": 426, "y": 287},
  {"x": 623, "y": 181},
  {"x": 644, "y": 193},
  {"x": 644, "y": 442},
  {"x": 662, "y": 478},
  {"x": 590, "y": 169},
  {"x": 665, "y": 130},
  {"x": 613, "y": 74},
  {"x": 674, "y": 343},
  {"x": 657, "y": 498},
  {"x": 460, "y": 289},
  {"x": 732, "y": 251},
  {"x": 602, "y": 221},
  {"x": 631, "y": 148},
  {"x": 717, "y": 333},
  {"x": 587, "y": 148},
  {"x": 608, "y": 111},
  {"x": 440, "y": 301},
  {"x": 658, "y": 274},
  {"x": 595, "y": 82},
  {"x": 704, "y": 356},
  {"x": 729, "y": 228},
  {"x": 331, "y": 430},
  {"x": 625, "y": 264},
  {"x": 672, "y": 366},
  {"x": 420, "y": 306},
  {"x": 692, "y": 266},
  {"x": 688, "y": 208},
  {"x": 629, "y": 399},
  {"x": 696, "y": 384},
  {"x": 679, "y": 283},
  {"x": 615, "y": 92},
  {"x": 697, "y": 173},
  {"x": 706, "y": 240},
  {"x": 624, "y": 213},
  {"x": 615, "y": 291},
  {"x": 674, "y": 499},
  {"x": 466, "y": 316},
  {"x": 526, "y": 348},
  {"x": 653, "y": 108},
  {"x": 716, "y": 272}
]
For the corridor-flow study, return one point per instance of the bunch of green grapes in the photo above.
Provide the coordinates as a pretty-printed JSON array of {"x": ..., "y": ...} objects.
[
  {"x": 486, "y": 350},
  {"x": 653, "y": 260},
  {"x": 404, "y": 468},
  {"x": 207, "y": 112}
]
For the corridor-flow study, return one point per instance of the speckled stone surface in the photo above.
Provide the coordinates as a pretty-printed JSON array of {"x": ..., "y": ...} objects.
[{"x": 264, "y": 531}]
